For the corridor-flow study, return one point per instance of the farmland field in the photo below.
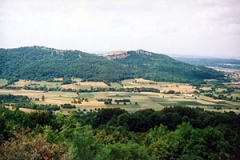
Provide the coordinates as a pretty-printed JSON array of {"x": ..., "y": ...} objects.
[
  {"x": 184, "y": 95},
  {"x": 3, "y": 82},
  {"x": 22, "y": 83}
]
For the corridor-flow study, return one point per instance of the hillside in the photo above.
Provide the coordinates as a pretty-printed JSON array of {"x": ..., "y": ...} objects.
[
  {"x": 41, "y": 63},
  {"x": 160, "y": 67}
]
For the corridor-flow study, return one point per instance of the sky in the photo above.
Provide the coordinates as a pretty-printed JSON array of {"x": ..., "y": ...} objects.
[{"x": 184, "y": 27}]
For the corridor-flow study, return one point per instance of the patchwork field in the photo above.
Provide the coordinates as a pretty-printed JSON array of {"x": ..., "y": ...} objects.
[
  {"x": 184, "y": 95},
  {"x": 162, "y": 86},
  {"x": 76, "y": 85},
  {"x": 143, "y": 100}
]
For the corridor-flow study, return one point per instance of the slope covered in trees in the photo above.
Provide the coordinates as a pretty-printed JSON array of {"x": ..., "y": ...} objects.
[
  {"x": 173, "y": 133},
  {"x": 41, "y": 63}
]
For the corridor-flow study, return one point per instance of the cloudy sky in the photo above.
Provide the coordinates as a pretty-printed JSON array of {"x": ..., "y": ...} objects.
[{"x": 188, "y": 27}]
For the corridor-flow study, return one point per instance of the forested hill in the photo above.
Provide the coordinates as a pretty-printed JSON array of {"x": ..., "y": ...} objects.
[{"x": 41, "y": 63}]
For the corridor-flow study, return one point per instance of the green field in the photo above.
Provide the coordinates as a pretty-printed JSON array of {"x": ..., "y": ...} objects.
[
  {"x": 3, "y": 82},
  {"x": 85, "y": 95},
  {"x": 237, "y": 91},
  {"x": 115, "y": 85}
]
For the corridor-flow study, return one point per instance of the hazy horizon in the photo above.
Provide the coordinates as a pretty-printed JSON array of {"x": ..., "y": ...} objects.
[{"x": 196, "y": 28}]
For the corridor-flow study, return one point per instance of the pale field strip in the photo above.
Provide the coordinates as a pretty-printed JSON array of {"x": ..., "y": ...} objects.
[
  {"x": 206, "y": 88},
  {"x": 58, "y": 79},
  {"x": 22, "y": 83},
  {"x": 22, "y": 92},
  {"x": 221, "y": 89},
  {"x": 94, "y": 84},
  {"x": 73, "y": 86},
  {"x": 152, "y": 105},
  {"x": 27, "y": 110},
  {"x": 183, "y": 88},
  {"x": 141, "y": 80},
  {"x": 77, "y": 85}
]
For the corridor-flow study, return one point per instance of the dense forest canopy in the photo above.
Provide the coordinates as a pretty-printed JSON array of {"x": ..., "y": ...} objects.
[
  {"x": 41, "y": 63},
  {"x": 113, "y": 133}
]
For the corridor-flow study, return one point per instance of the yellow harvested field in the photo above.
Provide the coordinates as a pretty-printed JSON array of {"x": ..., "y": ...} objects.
[
  {"x": 221, "y": 89},
  {"x": 164, "y": 87},
  {"x": 178, "y": 88},
  {"x": 72, "y": 86},
  {"x": 22, "y": 83},
  {"x": 206, "y": 88},
  {"x": 27, "y": 110},
  {"x": 80, "y": 85},
  {"x": 58, "y": 79},
  {"x": 94, "y": 84},
  {"x": 93, "y": 104},
  {"x": 23, "y": 109},
  {"x": 22, "y": 92},
  {"x": 139, "y": 80}
]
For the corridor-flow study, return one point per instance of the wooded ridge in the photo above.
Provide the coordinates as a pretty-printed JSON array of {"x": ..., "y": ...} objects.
[{"x": 41, "y": 63}]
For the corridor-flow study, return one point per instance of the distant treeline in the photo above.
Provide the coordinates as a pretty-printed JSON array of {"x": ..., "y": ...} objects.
[{"x": 97, "y": 89}]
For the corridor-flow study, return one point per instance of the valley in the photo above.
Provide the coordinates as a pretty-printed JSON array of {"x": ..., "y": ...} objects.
[
  {"x": 164, "y": 94},
  {"x": 137, "y": 102}
]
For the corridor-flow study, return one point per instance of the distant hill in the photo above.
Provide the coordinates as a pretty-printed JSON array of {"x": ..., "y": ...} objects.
[
  {"x": 212, "y": 62},
  {"x": 41, "y": 63}
]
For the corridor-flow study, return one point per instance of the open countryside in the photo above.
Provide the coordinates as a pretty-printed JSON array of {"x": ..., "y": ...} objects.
[
  {"x": 136, "y": 105},
  {"x": 170, "y": 94}
]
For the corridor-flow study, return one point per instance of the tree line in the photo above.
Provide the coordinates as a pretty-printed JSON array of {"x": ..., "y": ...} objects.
[{"x": 172, "y": 133}]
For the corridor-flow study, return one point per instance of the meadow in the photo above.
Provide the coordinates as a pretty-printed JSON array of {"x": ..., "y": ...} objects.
[{"x": 3, "y": 82}]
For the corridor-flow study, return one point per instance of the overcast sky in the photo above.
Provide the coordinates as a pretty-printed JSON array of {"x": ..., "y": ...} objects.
[{"x": 189, "y": 27}]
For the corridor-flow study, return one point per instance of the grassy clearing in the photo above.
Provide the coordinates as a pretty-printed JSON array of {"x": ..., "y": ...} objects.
[
  {"x": 185, "y": 103},
  {"x": 158, "y": 99},
  {"x": 3, "y": 82},
  {"x": 115, "y": 85},
  {"x": 123, "y": 106},
  {"x": 168, "y": 103},
  {"x": 119, "y": 96},
  {"x": 85, "y": 95},
  {"x": 128, "y": 82},
  {"x": 77, "y": 80},
  {"x": 237, "y": 91}
]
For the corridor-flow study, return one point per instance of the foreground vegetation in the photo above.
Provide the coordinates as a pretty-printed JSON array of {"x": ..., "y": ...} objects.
[{"x": 172, "y": 133}]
